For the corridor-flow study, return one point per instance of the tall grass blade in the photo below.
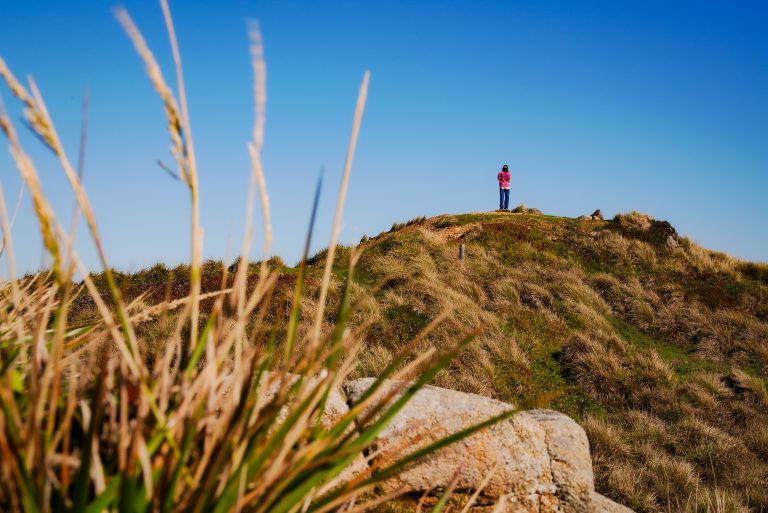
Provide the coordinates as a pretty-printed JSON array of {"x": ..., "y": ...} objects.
[
  {"x": 336, "y": 229},
  {"x": 293, "y": 321}
]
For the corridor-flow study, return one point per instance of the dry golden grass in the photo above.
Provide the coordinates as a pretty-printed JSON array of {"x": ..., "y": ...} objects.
[
  {"x": 657, "y": 347},
  {"x": 634, "y": 221}
]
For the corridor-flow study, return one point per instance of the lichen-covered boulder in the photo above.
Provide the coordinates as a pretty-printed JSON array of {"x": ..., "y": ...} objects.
[
  {"x": 514, "y": 450},
  {"x": 538, "y": 460}
]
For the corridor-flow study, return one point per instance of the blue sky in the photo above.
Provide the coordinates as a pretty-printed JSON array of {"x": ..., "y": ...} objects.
[{"x": 655, "y": 106}]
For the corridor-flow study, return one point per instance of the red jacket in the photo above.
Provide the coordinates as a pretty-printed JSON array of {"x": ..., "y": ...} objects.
[{"x": 504, "y": 178}]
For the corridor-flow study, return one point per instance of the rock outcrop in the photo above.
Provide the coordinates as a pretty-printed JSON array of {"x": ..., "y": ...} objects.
[
  {"x": 516, "y": 448},
  {"x": 597, "y": 215},
  {"x": 522, "y": 209},
  {"x": 537, "y": 460}
]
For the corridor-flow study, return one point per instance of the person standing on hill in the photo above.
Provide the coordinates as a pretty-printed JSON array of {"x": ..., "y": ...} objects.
[{"x": 504, "y": 178}]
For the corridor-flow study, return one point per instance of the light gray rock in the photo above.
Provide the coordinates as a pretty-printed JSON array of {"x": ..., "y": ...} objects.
[
  {"x": 541, "y": 457},
  {"x": 570, "y": 461},
  {"x": 515, "y": 448}
]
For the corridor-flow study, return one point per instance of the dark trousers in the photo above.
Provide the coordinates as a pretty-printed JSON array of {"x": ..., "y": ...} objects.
[{"x": 503, "y": 198}]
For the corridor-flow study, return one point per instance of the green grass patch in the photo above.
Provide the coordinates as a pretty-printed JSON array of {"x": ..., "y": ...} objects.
[
  {"x": 756, "y": 271},
  {"x": 543, "y": 383},
  {"x": 656, "y": 235},
  {"x": 405, "y": 322},
  {"x": 400, "y": 226},
  {"x": 462, "y": 219},
  {"x": 717, "y": 289},
  {"x": 681, "y": 360}
]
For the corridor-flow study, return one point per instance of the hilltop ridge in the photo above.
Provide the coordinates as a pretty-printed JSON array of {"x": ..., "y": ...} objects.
[{"x": 657, "y": 346}]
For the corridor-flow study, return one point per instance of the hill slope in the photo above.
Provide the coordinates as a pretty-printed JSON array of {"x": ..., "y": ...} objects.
[
  {"x": 655, "y": 345},
  {"x": 658, "y": 347}
]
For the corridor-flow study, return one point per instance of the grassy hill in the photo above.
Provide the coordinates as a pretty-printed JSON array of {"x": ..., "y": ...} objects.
[{"x": 657, "y": 346}]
